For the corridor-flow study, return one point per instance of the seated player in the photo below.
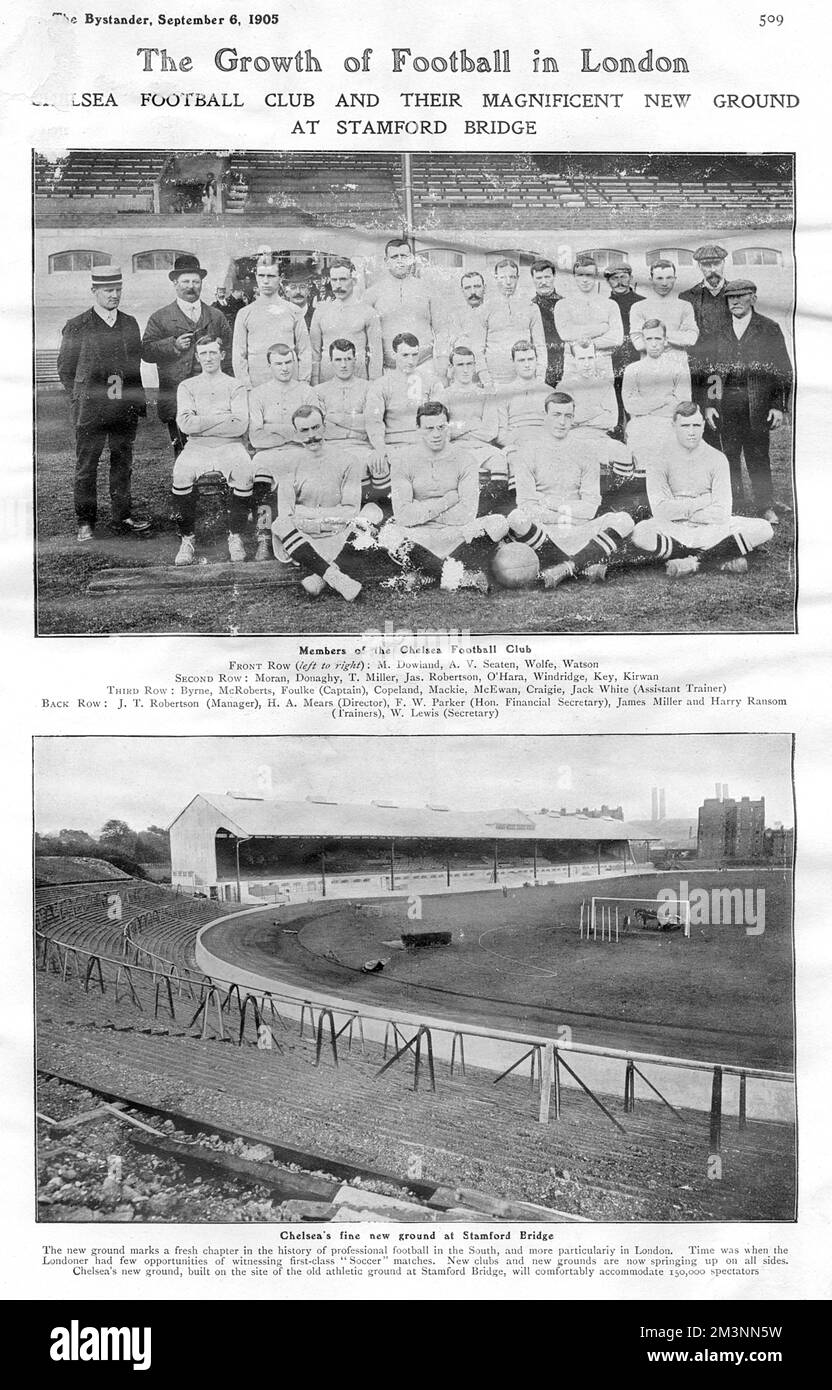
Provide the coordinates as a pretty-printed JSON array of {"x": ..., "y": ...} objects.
[
  {"x": 392, "y": 402},
  {"x": 271, "y": 406},
  {"x": 520, "y": 404},
  {"x": 473, "y": 412},
  {"x": 211, "y": 411},
  {"x": 558, "y": 486},
  {"x": 588, "y": 378},
  {"x": 318, "y": 503},
  {"x": 651, "y": 389},
  {"x": 689, "y": 487},
  {"x": 343, "y": 398},
  {"x": 435, "y": 489}
]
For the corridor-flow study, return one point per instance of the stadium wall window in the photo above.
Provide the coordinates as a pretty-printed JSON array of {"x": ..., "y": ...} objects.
[
  {"x": 756, "y": 255},
  {"x": 156, "y": 260},
  {"x": 77, "y": 260},
  {"x": 678, "y": 254},
  {"x": 443, "y": 257},
  {"x": 523, "y": 258},
  {"x": 604, "y": 256}
]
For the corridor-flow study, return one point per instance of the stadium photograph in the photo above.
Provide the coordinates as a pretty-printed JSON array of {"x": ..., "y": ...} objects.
[
  {"x": 280, "y": 979},
  {"x": 319, "y": 392}
]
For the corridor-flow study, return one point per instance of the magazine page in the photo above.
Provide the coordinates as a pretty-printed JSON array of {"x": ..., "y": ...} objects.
[{"x": 416, "y": 609}]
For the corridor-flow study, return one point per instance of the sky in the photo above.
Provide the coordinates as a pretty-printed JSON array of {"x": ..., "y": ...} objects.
[{"x": 82, "y": 782}]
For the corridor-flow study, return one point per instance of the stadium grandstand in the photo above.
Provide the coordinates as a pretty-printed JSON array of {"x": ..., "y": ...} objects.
[
  {"x": 141, "y": 208},
  {"x": 244, "y": 849},
  {"x": 125, "y": 1009}
]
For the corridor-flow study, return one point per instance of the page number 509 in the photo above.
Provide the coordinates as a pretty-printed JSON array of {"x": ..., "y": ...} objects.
[{"x": 770, "y": 19}]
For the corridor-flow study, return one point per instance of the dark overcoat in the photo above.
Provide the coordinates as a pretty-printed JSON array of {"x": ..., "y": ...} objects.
[{"x": 100, "y": 369}]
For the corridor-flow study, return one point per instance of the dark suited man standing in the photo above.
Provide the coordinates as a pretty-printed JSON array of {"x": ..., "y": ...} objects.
[
  {"x": 99, "y": 364},
  {"x": 171, "y": 335},
  {"x": 713, "y": 317},
  {"x": 710, "y": 303},
  {"x": 754, "y": 382}
]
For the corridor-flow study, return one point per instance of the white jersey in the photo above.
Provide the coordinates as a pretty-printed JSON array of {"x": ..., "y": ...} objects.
[{"x": 676, "y": 314}]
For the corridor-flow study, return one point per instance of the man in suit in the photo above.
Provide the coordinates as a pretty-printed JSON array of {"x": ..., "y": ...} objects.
[
  {"x": 754, "y": 382},
  {"x": 710, "y": 304},
  {"x": 171, "y": 336},
  {"x": 713, "y": 317},
  {"x": 99, "y": 364}
]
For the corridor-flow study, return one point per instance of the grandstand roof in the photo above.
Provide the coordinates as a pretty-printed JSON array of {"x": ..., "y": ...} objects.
[{"x": 317, "y": 818}]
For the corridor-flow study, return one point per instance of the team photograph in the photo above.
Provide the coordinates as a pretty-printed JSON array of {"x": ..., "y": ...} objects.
[{"x": 328, "y": 392}]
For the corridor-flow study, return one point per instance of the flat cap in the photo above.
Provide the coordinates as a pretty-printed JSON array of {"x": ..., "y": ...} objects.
[
  {"x": 106, "y": 276},
  {"x": 740, "y": 287},
  {"x": 622, "y": 269},
  {"x": 710, "y": 253}
]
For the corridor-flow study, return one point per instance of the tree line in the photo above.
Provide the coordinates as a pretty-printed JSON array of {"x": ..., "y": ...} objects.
[{"x": 117, "y": 842}]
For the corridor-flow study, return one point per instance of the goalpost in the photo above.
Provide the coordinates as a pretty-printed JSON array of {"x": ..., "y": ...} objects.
[{"x": 607, "y": 917}]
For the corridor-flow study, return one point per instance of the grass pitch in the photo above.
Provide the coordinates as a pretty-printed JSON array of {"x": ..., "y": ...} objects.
[
  {"x": 638, "y": 600},
  {"x": 516, "y": 962}
]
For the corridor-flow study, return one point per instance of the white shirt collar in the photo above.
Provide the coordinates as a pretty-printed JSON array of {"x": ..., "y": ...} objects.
[
  {"x": 740, "y": 326},
  {"x": 191, "y": 311},
  {"x": 108, "y": 315}
]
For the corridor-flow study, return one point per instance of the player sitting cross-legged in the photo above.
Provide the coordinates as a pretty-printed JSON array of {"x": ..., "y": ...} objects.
[
  {"x": 689, "y": 489},
  {"x": 435, "y": 490},
  {"x": 318, "y": 506},
  {"x": 558, "y": 489},
  {"x": 212, "y": 413}
]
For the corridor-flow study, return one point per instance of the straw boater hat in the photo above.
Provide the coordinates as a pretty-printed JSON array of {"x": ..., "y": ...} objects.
[{"x": 106, "y": 277}]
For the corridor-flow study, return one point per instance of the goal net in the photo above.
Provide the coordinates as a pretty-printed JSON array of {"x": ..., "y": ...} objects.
[{"x": 612, "y": 917}]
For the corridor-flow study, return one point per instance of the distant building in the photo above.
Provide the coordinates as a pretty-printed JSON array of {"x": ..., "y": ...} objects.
[
  {"x": 730, "y": 829},
  {"x": 779, "y": 845}
]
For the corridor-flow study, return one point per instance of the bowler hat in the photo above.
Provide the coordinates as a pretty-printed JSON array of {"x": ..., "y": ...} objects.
[{"x": 186, "y": 265}]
